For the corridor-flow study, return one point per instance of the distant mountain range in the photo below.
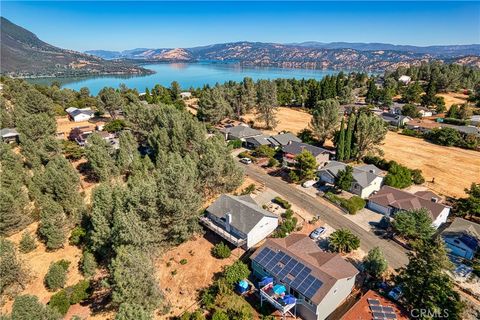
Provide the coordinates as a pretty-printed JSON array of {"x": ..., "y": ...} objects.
[
  {"x": 312, "y": 55},
  {"x": 23, "y": 54}
]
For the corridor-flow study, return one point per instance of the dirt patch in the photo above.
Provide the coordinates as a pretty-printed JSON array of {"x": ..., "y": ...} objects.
[
  {"x": 64, "y": 125},
  {"x": 38, "y": 261},
  {"x": 185, "y": 281},
  {"x": 289, "y": 119},
  {"x": 454, "y": 169},
  {"x": 453, "y": 98}
]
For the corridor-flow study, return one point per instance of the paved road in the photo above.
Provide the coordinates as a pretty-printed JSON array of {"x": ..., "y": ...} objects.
[{"x": 394, "y": 253}]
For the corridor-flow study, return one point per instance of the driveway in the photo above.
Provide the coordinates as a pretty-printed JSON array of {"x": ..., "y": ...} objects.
[{"x": 394, "y": 253}]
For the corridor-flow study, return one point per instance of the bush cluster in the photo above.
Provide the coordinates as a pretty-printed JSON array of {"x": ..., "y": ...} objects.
[
  {"x": 221, "y": 251},
  {"x": 27, "y": 243},
  {"x": 398, "y": 176},
  {"x": 352, "y": 205},
  {"x": 57, "y": 275},
  {"x": 282, "y": 202},
  {"x": 62, "y": 300},
  {"x": 235, "y": 144}
]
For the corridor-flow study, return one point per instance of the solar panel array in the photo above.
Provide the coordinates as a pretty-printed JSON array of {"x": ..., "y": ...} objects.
[
  {"x": 380, "y": 312},
  {"x": 289, "y": 270}
]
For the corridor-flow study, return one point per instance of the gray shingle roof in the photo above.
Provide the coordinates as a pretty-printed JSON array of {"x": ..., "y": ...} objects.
[
  {"x": 245, "y": 212},
  {"x": 260, "y": 140},
  {"x": 79, "y": 111},
  {"x": 460, "y": 225},
  {"x": 363, "y": 175},
  {"x": 284, "y": 138},
  {"x": 297, "y": 147},
  {"x": 8, "y": 132},
  {"x": 239, "y": 132}
]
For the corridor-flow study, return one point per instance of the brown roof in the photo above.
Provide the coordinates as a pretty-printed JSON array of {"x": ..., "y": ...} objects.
[
  {"x": 326, "y": 267},
  {"x": 361, "y": 309},
  {"x": 428, "y": 195},
  {"x": 402, "y": 200}
]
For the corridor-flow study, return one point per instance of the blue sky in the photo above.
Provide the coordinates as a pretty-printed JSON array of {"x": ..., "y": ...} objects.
[{"x": 125, "y": 25}]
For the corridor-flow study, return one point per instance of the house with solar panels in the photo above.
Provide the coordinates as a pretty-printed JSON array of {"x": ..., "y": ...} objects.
[
  {"x": 239, "y": 220},
  {"x": 373, "y": 306},
  {"x": 298, "y": 278}
]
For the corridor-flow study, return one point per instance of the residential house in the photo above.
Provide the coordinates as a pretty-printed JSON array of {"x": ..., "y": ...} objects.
[
  {"x": 373, "y": 306},
  {"x": 80, "y": 134},
  {"x": 405, "y": 79},
  {"x": 240, "y": 132},
  {"x": 396, "y": 108},
  {"x": 78, "y": 115},
  {"x": 424, "y": 112},
  {"x": 286, "y": 138},
  {"x": 294, "y": 148},
  {"x": 9, "y": 135},
  {"x": 390, "y": 200},
  {"x": 279, "y": 140},
  {"x": 319, "y": 281},
  {"x": 366, "y": 179},
  {"x": 462, "y": 238},
  {"x": 395, "y": 119},
  {"x": 239, "y": 220},
  {"x": 475, "y": 120},
  {"x": 261, "y": 140},
  {"x": 185, "y": 95}
]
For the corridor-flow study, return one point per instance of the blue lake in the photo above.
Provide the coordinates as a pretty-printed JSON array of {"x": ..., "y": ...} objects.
[{"x": 187, "y": 74}]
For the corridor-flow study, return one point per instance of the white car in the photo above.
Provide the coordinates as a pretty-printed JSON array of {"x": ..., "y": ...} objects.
[
  {"x": 315, "y": 234},
  {"x": 309, "y": 183},
  {"x": 246, "y": 160}
]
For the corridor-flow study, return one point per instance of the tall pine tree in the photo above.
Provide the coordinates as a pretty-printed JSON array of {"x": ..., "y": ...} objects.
[
  {"x": 348, "y": 154},
  {"x": 341, "y": 142}
]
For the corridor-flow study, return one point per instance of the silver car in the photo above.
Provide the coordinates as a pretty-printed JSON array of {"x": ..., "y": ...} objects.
[{"x": 315, "y": 234}]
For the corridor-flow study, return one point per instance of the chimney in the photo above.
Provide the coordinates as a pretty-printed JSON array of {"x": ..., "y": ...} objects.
[
  {"x": 228, "y": 220},
  {"x": 434, "y": 199}
]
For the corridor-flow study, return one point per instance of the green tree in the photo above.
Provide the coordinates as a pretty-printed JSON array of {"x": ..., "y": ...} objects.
[
  {"x": 56, "y": 276},
  {"x": 221, "y": 251},
  {"x": 14, "y": 214},
  {"x": 348, "y": 153},
  {"x": 88, "y": 264},
  {"x": 305, "y": 165},
  {"x": 340, "y": 144},
  {"x": 267, "y": 103},
  {"x": 99, "y": 154},
  {"x": 470, "y": 206},
  {"x": 212, "y": 106},
  {"x": 11, "y": 269},
  {"x": 60, "y": 302},
  {"x": 428, "y": 99},
  {"x": 128, "y": 311},
  {"x": 175, "y": 90},
  {"x": 375, "y": 263},
  {"x": 370, "y": 132},
  {"x": 414, "y": 224},
  {"x": 115, "y": 125},
  {"x": 425, "y": 284},
  {"x": 344, "y": 178},
  {"x": 325, "y": 118},
  {"x": 412, "y": 93},
  {"x": 264, "y": 151},
  {"x": 27, "y": 243},
  {"x": 110, "y": 100},
  {"x": 445, "y": 136},
  {"x": 410, "y": 110},
  {"x": 372, "y": 95},
  {"x": 343, "y": 241},
  {"x": 27, "y": 307},
  {"x": 398, "y": 176},
  {"x": 236, "y": 272},
  {"x": 52, "y": 224},
  {"x": 127, "y": 152},
  {"x": 133, "y": 279}
]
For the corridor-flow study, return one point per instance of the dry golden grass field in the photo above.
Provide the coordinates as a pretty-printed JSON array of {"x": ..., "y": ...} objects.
[
  {"x": 454, "y": 169},
  {"x": 453, "y": 98}
]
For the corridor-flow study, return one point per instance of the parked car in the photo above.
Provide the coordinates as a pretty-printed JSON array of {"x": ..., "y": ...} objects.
[
  {"x": 315, "y": 234},
  {"x": 246, "y": 160},
  {"x": 396, "y": 293},
  {"x": 309, "y": 183}
]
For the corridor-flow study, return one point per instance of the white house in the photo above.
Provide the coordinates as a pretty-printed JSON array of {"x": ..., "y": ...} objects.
[
  {"x": 424, "y": 112},
  {"x": 315, "y": 282},
  {"x": 390, "y": 200},
  {"x": 366, "y": 179},
  {"x": 462, "y": 238},
  {"x": 185, "y": 95},
  {"x": 405, "y": 79},
  {"x": 78, "y": 115},
  {"x": 239, "y": 220}
]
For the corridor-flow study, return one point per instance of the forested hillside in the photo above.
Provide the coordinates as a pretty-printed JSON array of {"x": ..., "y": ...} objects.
[{"x": 142, "y": 202}]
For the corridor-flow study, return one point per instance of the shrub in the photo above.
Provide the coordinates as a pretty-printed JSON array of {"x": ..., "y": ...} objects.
[
  {"x": 129, "y": 311},
  {"x": 343, "y": 240},
  {"x": 411, "y": 133},
  {"x": 283, "y": 203},
  {"x": 60, "y": 302},
  {"x": 288, "y": 214},
  {"x": 28, "y": 307},
  {"x": 236, "y": 272},
  {"x": 56, "y": 275},
  {"x": 183, "y": 261},
  {"x": 417, "y": 176},
  {"x": 72, "y": 150},
  {"x": 235, "y": 144},
  {"x": 352, "y": 205},
  {"x": 272, "y": 162},
  {"x": 249, "y": 189},
  {"x": 88, "y": 264},
  {"x": 244, "y": 154},
  {"x": 77, "y": 236},
  {"x": 27, "y": 243},
  {"x": 114, "y": 125},
  {"x": 79, "y": 292},
  {"x": 264, "y": 151},
  {"x": 221, "y": 251},
  {"x": 220, "y": 315},
  {"x": 458, "y": 122}
]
